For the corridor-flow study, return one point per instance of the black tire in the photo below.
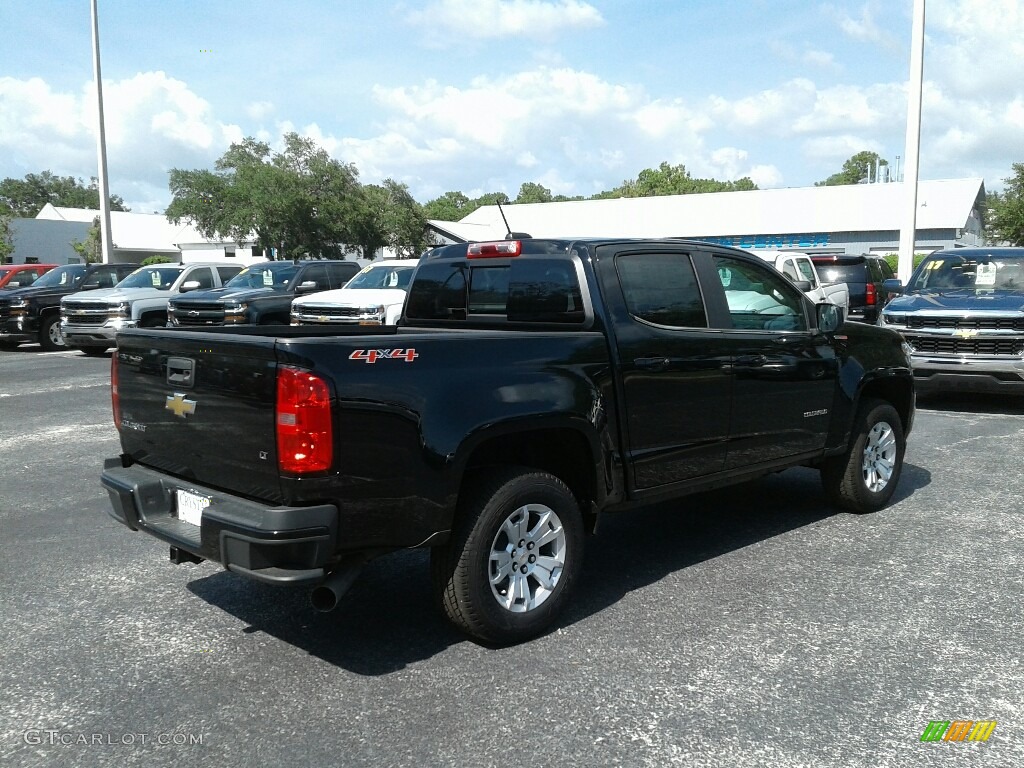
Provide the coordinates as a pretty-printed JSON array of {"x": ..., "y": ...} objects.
[
  {"x": 49, "y": 333},
  {"x": 94, "y": 351},
  {"x": 461, "y": 570},
  {"x": 854, "y": 480}
]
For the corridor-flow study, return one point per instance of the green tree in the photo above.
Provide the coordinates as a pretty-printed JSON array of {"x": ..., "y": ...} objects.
[
  {"x": 672, "y": 180},
  {"x": 386, "y": 215},
  {"x": 856, "y": 169},
  {"x": 156, "y": 258},
  {"x": 451, "y": 206},
  {"x": 24, "y": 198},
  {"x": 1004, "y": 220},
  {"x": 531, "y": 192},
  {"x": 90, "y": 249},
  {"x": 300, "y": 202},
  {"x": 6, "y": 237}
]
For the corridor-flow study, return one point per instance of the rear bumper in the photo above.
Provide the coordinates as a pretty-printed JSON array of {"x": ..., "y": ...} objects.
[
  {"x": 968, "y": 374},
  {"x": 274, "y": 544}
]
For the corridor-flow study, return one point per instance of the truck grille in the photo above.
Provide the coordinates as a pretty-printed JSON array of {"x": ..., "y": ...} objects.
[
  {"x": 951, "y": 345},
  {"x": 87, "y": 313},
  {"x": 5, "y": 310},
  {"x": 198, "y": 314},
  {"x": 343, "y": 312},
  {"x": 966, "y": 323}
]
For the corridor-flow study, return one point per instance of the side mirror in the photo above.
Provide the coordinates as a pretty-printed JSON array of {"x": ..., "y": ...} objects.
[
  {"x": 829, "y": 317},
  {"x": 307, "y": 287},
  {"x": 90, "y": 286},
  {"x": 189, "y": 285},
  {"x": 802, "y": 285},
  {"x": 892, "y": 285}
]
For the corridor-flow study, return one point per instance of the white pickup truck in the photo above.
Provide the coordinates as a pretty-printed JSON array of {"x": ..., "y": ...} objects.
[
  {"x": 799, "y": 268},
  {"x": 373, "y": 297}
]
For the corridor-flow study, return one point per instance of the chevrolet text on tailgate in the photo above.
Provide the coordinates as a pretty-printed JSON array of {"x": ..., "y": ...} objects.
[{"x": 530, "y": 387}]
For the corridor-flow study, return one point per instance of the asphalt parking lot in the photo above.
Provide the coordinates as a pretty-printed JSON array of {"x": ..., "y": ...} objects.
[{"x": 749, "y": 627}]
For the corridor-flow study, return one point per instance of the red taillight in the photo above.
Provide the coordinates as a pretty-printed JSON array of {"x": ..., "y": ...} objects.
[
  {"x": 870, "y": 296},
  {"x": 496, "y": 250},
  {"x": 115, "y": 397},
  {"x": 304, "y": 437}
]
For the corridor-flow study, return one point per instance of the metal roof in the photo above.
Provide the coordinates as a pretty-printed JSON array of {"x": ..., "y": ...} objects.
[
  {"x": 944, "y": 204},
  {"x": 135, "y": 231}
]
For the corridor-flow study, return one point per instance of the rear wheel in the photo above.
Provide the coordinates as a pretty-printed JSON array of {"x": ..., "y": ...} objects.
[
  {"x": 865, "y": 477},
  {"x": 50, "y": 338},
  {"x": 511, "y": 562},
  {"x": 94, "y": 351}
]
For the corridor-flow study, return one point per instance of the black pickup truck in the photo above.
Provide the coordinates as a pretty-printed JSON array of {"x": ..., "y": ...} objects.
[
  {"x": 530, "y": 387},
  {"x": 33, "y": 313},
  {"x": 261, "y": 294}
]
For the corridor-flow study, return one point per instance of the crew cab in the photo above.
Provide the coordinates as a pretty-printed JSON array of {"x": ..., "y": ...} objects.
[
  {"x": 530, "y": 388},
  {"x": 373, "y": 297},
  {"x": 261, "y": 294},
  {"x": 799, "y": 268},
  {"x": 962, "y": 313},
  {"x": 33, "y": 313},
  {"x": 90, "y": 323}
]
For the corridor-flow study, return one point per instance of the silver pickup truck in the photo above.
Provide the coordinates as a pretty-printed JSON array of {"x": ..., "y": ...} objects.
[
  {"x": 799, "y": 268},
  {"x": 90, "y": 322}
]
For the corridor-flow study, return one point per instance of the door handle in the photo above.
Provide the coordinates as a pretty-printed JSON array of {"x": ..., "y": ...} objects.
[
  {"x": 652, "y": 363},
  {"x": 750, "y": 361}
]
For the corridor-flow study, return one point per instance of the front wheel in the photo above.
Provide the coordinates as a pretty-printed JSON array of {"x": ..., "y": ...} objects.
[
  {"x": 865, "y": 477},
  {"x": 516, "y": 551},
  {"x": 50, "y": 338}
]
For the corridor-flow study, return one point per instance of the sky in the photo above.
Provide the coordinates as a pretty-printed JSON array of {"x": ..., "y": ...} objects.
[{"x": 484, "y": 95}]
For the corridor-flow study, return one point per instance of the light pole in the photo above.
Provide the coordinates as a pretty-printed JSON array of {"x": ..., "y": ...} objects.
[
  {"x": 908, "y": 231},
  {"x": 101, "y": 141}
]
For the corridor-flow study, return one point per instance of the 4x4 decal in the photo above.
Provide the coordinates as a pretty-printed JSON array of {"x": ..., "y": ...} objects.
[{"x": 373, "y": 355}]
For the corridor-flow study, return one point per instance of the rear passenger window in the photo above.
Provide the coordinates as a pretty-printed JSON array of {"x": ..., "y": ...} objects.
[
  {"x": 661, "y": 288},
  {"x": 226, "y": 273}
]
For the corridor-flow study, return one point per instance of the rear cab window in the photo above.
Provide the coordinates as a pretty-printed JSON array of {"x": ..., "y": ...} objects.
[{"x": 542, "y": 287}]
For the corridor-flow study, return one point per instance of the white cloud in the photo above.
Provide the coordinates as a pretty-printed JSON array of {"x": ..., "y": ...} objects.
[
  {"x": 259, "y": 110},
  {"x": 153, "y": 123},
  {"x": 481, "y": 19}
]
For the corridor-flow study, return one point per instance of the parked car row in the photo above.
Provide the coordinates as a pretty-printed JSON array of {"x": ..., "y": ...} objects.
[
  {"x": 84, "y": 306},
  {"x": 961, "y": 313}
]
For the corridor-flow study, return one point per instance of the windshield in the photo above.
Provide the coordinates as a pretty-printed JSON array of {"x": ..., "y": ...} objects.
[
  {"x": 971, "y": 273},
  {"x": 383, "y": 276},
  {"x": 274, "y": 276},
  {"x": 160, "y": 278},
  {"x": 69, "y": 276}
]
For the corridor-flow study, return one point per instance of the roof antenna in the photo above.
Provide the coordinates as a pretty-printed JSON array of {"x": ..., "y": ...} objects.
[{"x": 510, "y": 235}]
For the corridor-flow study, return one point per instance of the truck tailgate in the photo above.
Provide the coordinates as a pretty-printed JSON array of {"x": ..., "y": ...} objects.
[{"x": 201, "y": 412}]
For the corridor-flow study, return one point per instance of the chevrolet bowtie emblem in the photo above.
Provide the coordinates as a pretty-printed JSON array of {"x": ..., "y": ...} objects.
[{"x": 180, "y": 405}]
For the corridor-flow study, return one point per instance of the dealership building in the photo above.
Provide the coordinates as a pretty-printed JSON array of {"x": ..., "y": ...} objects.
[{"x": 856, "y": 218}]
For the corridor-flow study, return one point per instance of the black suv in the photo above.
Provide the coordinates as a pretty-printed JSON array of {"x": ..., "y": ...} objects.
[
  {"x": 33, "y": 313},
  {"x": 260, "y": 294},
  {"x": 863, "y": 274}
]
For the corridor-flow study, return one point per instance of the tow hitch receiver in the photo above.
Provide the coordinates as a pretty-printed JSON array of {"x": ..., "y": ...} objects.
[{"x": 179, "y": 556}]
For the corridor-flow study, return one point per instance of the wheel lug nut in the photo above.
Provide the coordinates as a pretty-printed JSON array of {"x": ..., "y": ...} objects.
[
  {"x": 524, "y": 569},
  {"x": 533, "y": 558},
  {"x": 522, "y": 543},
  {"x": 530, "y": 545}
]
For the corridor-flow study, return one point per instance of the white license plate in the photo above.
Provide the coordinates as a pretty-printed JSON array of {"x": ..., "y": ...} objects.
[{"x": 191, "y": 506}]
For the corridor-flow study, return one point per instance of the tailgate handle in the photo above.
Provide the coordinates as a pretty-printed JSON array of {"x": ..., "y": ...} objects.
[{"x": 179, "y": 371}]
